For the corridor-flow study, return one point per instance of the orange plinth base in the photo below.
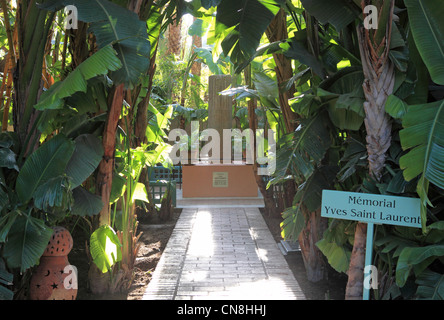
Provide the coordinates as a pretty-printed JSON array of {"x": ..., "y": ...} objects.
[{"x": 218, "y": 180}]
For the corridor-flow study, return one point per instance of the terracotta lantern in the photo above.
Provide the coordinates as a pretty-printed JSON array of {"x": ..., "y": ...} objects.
[{"x": 55, "y": 278}]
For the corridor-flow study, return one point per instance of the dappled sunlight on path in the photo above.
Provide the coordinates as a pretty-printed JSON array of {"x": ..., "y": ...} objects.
[{"x": 222, "y": 253}]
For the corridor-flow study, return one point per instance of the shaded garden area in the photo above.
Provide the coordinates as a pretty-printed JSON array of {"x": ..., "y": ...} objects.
[{"x": 349, "y": 96}]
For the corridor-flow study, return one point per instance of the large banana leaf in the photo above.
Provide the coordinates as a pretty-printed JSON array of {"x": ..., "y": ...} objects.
[
  {"x": 85, "y": 203},
  {"x": 99, "y": 63},
  {"x": 344, "y": 96},
  {"x": 302, "y": 150},
  {"x": 293, "y": 222},
  {"x": 430, "y": 285},
  {"x": 85, "y": 159},
  {"x": 7, "y": 159},
  {"x": 335, "y": 244},
  {"x": 310, "y": 196},
  {"x": 58, "y": 167},
  {"x": 337, "y": 255},
  {"x": 27, "y": 240},
  {"x": 296, "y": 50},
  {"x": 105, "y": 248},
  {"x": 416, "y": 258},
  {"x": 339, "y": 13},
  {"x": 113, "y": 24},
  {"x": 427, "y": 24},
  {"x": 55, "y": 192},
  {"x": 47, "y": 162},
  {"x": 246, "y": 22},
  {"x": 423, "y": 136}
]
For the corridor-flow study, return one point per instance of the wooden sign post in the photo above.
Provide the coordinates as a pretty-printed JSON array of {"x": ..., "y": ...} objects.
[{"x": 371, "y": 209}]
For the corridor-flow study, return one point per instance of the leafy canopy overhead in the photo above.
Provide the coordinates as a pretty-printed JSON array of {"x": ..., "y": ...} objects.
[
  {"x": 242, "y": 24},
  {"x": 113, "y": 24}
]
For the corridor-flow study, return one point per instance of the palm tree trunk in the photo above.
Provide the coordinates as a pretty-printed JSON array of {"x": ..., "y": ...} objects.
[
  {"x": 197, "y": 66},
  {"x": 378, "y": 84},
  {"x": 277, "y": 31},
  {"x": 354, "y": 288},
  {"x": 313, "y": 231},
  {"x": 174, "y": 37},
  {"x": 270, "y": 205}
]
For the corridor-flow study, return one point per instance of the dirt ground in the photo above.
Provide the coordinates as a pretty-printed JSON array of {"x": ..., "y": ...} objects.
[
  {"x": 154, "y": 240},
  {"x": 331, "y": 288}
]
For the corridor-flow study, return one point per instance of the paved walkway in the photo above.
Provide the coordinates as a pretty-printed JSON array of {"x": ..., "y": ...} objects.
[{"x": 222, "y": 254}]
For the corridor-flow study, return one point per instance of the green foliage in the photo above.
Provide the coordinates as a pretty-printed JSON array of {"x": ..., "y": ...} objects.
[
  {"x": 344, "y": 95},
  {"x": 47, "y": 162},
  {"x": 5, "y": 280},
  {"x": 425, "y": 18},
  {"x": 100, "y": 63},
  {"x": 417, "y": 258},
  {"x": 430, "y": 285},
  {"x": 296, "y": 50},
  {"x": 116, "y": 26},
  {"x": 300, "y": 151},
  {"x": 27, "y": 240},
  {"x": 241, "y": 24},
  {"x": 86, "y": 157},
  {"x": 336, "y": 244},
  {"x": 410, "y": 250},
  {"x": 85, "y": 203},
  {"x": 105, "y": 248},
  {"x": 423, "y": 136},
  {"x": 339, "y": 13},
  {"x": 307, "y": 199},
  {"x": 43, "y": 187},
  {"x": 326, "y": 151}
]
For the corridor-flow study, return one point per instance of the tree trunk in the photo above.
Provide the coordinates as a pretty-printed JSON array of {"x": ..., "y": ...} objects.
[
  {"x": 196, "y": 68},
  {"x": 277, "y": 31},
  {"x": 378, "y": 85},
  {"x": 174, "y": 37},
  {"x": 379, "y": 79},
  {"x": 313, "y": 258},
  {"x": 270, "y": 205},
  {"x": 355, "y": 282},
  {"x": 105, "y": 170}
]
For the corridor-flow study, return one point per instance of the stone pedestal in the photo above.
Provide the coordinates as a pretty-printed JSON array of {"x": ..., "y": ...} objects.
[{"x": 218, "y": 180}]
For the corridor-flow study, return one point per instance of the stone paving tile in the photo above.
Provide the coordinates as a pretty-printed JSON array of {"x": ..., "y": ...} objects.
[{"x": 222, "y": 253}]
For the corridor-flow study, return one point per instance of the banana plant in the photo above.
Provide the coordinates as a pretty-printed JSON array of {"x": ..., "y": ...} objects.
[
  {"x": 116, "y": 26},
  {"x": 241, "y": 24},
  {"x": 114, "y": 247},
  {"x": 47, "y": 187},
  {"x": 379, "y": 75},
  {"x": 423, "y": 125}
]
